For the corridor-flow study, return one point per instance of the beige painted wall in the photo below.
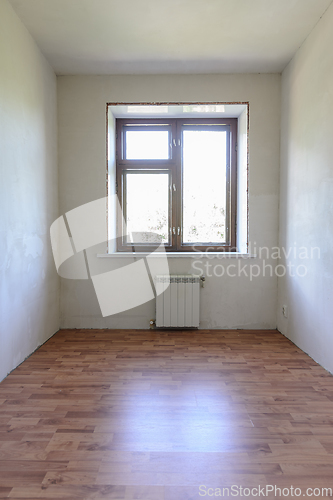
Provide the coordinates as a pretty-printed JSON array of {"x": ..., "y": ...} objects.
[
  {"x": 306, "y": 214},
  {"x": 226, "y": 302},
  {"x": 29, "y": 285}
]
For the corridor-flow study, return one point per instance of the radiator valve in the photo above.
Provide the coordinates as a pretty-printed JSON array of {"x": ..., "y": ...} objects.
[
  {"x": 152, "y": 324},
  {"x": 202, "y": 280}
]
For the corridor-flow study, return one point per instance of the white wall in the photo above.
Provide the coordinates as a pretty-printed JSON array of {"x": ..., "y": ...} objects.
[
  {"x": 227, "y": 302},
  {"x": 242, "y": 183},
  {"x": 29, "y": 302},
  {"x": 306, "y": 213}
]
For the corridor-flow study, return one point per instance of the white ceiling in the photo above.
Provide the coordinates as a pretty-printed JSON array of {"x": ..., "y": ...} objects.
[{"x": 169, "y": 36}]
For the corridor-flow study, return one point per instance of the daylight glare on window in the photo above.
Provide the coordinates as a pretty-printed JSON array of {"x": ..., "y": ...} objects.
[
  {"x": 204, "y": 186},
  {"x": 147, "y": 145},
  {"x": 147, "y": 196}
]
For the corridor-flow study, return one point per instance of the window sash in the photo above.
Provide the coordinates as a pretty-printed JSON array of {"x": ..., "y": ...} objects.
[
  {"x": 173, "y": 166},
  {"x": 125, "y": 172},
  {"x": 122, "y": 126}
]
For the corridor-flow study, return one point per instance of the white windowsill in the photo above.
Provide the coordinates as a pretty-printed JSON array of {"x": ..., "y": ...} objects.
[{"x": 192, "y": 255}]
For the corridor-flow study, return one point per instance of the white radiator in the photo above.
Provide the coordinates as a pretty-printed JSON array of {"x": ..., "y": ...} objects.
[{"x": 178, "y": 305}]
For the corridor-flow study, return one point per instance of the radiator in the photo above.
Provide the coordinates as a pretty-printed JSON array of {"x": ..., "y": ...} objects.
[{"x": 178, "y": 305}]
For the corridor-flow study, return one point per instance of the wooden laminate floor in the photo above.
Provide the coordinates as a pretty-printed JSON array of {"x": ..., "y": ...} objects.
[{"x": 155, "y": 415}]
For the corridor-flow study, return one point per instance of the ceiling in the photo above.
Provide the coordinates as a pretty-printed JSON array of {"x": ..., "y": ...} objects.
[{"x": 169, "y": 36}]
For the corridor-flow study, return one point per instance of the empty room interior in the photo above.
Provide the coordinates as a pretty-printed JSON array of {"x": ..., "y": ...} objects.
[{"x": 166, "y": 271}]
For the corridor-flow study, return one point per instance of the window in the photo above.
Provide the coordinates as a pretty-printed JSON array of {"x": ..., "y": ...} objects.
[{"x": 176, "y": 183}]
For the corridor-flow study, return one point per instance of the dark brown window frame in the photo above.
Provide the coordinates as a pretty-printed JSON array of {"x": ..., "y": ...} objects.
[{"x": 174, "y": 167}]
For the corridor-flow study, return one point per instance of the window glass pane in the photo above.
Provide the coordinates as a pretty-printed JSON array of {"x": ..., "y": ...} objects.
[
  {"x": 147, "y": 145},
  {"x": 147, "y": 206},
  {"x": 204, "y": 186}
]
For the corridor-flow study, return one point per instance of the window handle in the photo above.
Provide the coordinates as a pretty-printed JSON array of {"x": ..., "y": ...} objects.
[
  {"x": 174, "y": 230},
  {"x": 174, "y": 142},
  {"x": 174, "y": 187},
  {"x": 178, "y": 232}
]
